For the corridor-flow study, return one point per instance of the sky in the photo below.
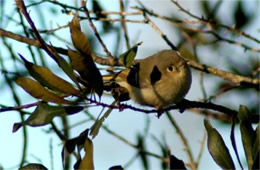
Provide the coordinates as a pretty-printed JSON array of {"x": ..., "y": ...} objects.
[{"x": 108, "y": 151}]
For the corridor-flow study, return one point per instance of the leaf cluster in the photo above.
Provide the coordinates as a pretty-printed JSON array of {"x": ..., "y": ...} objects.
[{"x": 250, "y": 138}]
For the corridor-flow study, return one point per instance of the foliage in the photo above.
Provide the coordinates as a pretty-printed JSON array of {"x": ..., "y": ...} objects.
[{"x": 74, "y": 89}]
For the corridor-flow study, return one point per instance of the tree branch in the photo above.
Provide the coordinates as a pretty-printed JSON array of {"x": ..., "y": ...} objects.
[
  {"x": 206, "y": 21},
  {"x": 234, "y": 78},
  {"x": 123, "y": 23},
  {"x": 180, "y": 23},
  {"x": 183, "y": 139},
  {"x": 83, "y": 6}
]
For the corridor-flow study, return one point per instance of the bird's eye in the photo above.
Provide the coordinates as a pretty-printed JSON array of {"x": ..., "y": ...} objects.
[{"x": 170, "y": 68}]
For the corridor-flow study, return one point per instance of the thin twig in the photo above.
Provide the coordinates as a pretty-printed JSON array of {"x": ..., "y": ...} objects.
[
  {"x": 194, "y": 48},
  {"x": 51, "y": 154},
  {"x": 202, "y": 146},
  {"x": 234, "y": 78},
  {"x": 49, "y": 50},
  {"x": 120, "y": 20},
  {"x": 18, "y": 102},
  {"x": 83, "y": 6},
  {"x": 237, "y": 79},
  {"x": 109, "y": 131},
  {"x": 27, "y": 35},
  {"x": 181, "y": 23},
  {"x": 6, "y": 109},
  {"x": 65, "y": 7},
  {"x": 150, "y": 22},
  {"x": 184, "y": 141},
  {"x": 203, "y": 20},
  {"x": 49, "y": 31},
  {"x": 222, "y": 117},
  {"x": 123, "y": 23}
]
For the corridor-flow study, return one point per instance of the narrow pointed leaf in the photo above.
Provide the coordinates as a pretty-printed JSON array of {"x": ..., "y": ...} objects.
[
  {"x": 87, "y": 161},
  {"x": 128, "y": 57},
  {"x": 64, "y": 66},
  {"x": 248, "y": 134},
  {"x": 38, "y": 91},
  {"x": 45, "y": 77},
  {"x": 79, "y": 39},
  {"x": 88, "y": 71},
  {"x": 91, "y": 73},
  {"x": 218, "y": 148},
  {"x": 77, "y": 61},
  {"x": 44, "y": 114},
  {"x": 98, "y": 123}
]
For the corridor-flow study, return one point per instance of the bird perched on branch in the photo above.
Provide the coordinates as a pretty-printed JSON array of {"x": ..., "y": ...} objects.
[{"x": 158, "y": 81}]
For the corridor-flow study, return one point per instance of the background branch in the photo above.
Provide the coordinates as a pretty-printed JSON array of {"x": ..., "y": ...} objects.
[{"x": 83, "y": 5}]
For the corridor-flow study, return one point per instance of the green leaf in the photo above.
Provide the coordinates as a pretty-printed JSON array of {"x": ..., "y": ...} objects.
[
  {"x": 218, "y": 148},
  {"x": 98, "y": 123},
  {"x": 45, "y": 77},
  {"x": 128, "y": 57},
  {"x": 33, "y": 166},
  {"x": 44, "y": 114},
  {"x": 38, "y": 91},
  {"x": 248, "y": 134}
]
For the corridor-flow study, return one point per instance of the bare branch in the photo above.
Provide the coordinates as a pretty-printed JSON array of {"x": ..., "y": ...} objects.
[
  {"x": 184, "y": 141},
  {"x": 83, "y": 5},
  {"x": 234, "y": 78},
  {"x": 123, "y": 23},
  {"x": 181, "y": 23},
  {"x": 203, "y": 20},
  {"x": 150, "y": 22},
  {"x": 5, "y": 109}
]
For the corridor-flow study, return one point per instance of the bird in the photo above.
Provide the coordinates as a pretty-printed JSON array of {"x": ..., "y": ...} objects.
[{"x": 157, "y": 81}]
